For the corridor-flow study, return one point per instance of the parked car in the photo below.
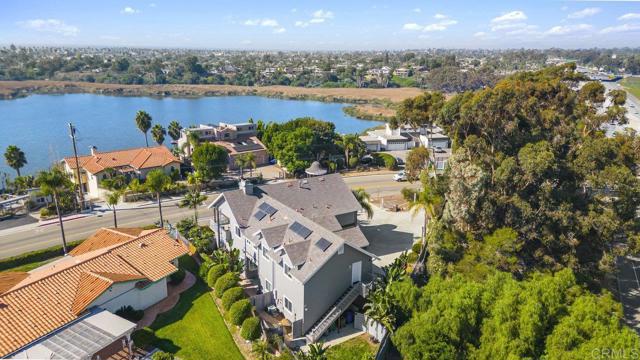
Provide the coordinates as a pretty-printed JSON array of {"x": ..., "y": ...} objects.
[{"x": 401, "y": 176}]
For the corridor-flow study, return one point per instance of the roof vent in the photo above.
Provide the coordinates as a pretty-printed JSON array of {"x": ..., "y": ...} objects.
[{"x": 142, "y": 245}]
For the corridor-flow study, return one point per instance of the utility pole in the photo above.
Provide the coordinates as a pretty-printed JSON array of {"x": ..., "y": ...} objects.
[{"x": 72, "y": 133}]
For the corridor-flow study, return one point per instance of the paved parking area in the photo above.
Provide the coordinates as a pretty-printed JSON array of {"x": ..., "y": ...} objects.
[
  {"x": 391, "y": 233},
  {"x": 629, "y": 289}
]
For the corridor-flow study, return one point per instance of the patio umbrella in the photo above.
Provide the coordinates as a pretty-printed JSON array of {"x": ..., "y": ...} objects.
[{"x": 315, "y": 169}]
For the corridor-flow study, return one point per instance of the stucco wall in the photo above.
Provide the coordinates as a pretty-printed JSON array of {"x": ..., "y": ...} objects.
[{"x": 123, "y": 294}]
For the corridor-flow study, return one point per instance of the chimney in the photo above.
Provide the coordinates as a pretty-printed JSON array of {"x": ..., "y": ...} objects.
[
  {"x": 246, "y": 187},
  {"x": 94, "y": 150}
]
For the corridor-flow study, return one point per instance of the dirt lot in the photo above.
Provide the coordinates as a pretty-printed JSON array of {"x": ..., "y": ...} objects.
[{"x": 13, "y": 89}]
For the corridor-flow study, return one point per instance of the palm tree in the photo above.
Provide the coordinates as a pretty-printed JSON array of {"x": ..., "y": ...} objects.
[
  {"x": 158, "y": 133},
  {"x": 53, "y": 183},
  {"x": 250, "y": 160},
  {"x": 15, "y": 158},
  {"x": 174, "y": 130},
  {"x": 143, "y": 122},
  {"x": 261, "y": 350},
  {"x": 425, "y": 200},
  {"x": 192, "y": 200},
  {"x": 241, "y": 162},
  {"x": 193, "y": 140},
  {"x": 350, "y": 143},
  {"x": 364, "y": 199},
  {"x": 112, "y": 200},
  {"x": 157, "y": 182},
  {"x": 316, "y": 351}
]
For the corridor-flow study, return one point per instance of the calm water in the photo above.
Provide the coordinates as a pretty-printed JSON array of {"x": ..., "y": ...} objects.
[{"x": 38, "y": 123}]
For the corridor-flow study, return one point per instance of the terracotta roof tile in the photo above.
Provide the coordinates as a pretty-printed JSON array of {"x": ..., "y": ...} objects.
[
  {"x": 138, "y": 158},
  {"x": 105, "y": 237},
  {"x": 10, "y": 279},
  {"x": 52, "y": 297}
]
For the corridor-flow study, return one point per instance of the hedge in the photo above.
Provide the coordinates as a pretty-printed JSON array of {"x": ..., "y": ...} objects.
[
  {"x": 225, "y": 282},
  {"x": 203, "y": 271},
  {"x": 385, "y": 160},
  {"x": 36, "y": 256},
  {"x": 251, "y": 328},
  {"x": 177, "y": 277},
  {"x": 161, "y": 355},
  {"x": 239, "y": 311},
  {"x": 129, "y": 313},
  {"x": 215, "y": 272},
  {"x": 144, "y": 337},
  {"x": 231, "y": 296}
]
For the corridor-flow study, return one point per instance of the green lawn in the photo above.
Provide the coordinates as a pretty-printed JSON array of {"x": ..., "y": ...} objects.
[
  {"x": 31, "y": 266},
  {"x": 353, "y": 349},
  {"x": 194, "y": 329},
  {"x": 632, "y": 85}
]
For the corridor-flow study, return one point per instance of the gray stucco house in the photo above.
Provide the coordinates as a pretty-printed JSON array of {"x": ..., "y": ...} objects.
[{"x": 302, "y": 241}]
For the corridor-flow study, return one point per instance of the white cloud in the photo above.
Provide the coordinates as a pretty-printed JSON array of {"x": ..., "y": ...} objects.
[
  {"x": 279, "y": 30},
  {"x": 508, "y": 26},
  {"x": 629, "y": 16},
  {"x": 152, "y": 5},
  {"x": 525, "y": 30},
  {"x": 584, "y": 13},
  {"x": 510, "y": 17},
  {"x": 51, "y": 26},
  {"x": 317, "y": 20},
  {"x": 417, "y": 10},
  {"x": 322, "y": 14},
  {"x": 480, "y": 34},
  {"x": 568, "y": 29},
  {"x": 412, "y": 26},
  {"x": 129, "y": 10},
  {"x": 301, "y": 24},
  {"x": 262, "y": 22},
  {"x": 441, "y": 25},
  {"x": 620, "y": 28}
]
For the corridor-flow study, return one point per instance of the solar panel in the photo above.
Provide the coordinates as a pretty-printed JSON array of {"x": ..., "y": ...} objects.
[
  {"x": 323, "y": 244},
  {"x": 267, "y": 208},
  {"x": 299, "y": 229},
  {"x": 259, "y": 215}
]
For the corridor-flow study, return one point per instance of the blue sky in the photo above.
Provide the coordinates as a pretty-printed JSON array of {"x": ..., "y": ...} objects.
[{"x": 323, "y": 25}]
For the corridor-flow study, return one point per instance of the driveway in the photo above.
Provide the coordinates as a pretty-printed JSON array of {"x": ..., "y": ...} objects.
[
  {"x": 629, "y": 288},
  {"x": 390, "y": 233}
]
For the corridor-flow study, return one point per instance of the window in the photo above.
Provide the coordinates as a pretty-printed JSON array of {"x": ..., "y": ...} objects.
[
  {"x": 264, "y": 253},
  {"x": 287, "y": 270},
  {"x": 288, "y": 305},
  {"x": 238, "y": 231},
  {"x": 267, "y": 285}
]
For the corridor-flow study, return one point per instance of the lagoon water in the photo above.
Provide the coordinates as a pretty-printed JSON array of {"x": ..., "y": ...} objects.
[{"x": 38, "y": 123}]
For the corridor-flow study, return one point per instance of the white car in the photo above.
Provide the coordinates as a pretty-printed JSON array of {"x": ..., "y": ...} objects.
[{"x": 401, "y": 176}]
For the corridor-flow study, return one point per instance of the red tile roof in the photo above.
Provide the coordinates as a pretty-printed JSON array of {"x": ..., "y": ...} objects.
[
  {"x": 138, "y": 158},
  {"x": 52, "y": 296}
]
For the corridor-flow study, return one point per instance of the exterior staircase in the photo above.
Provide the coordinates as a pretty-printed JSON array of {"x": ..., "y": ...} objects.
[{"x": 335, "y": 311}]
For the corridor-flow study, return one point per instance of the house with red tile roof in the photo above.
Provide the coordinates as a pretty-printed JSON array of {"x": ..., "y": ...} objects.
[
  {"x": 66, "y": 310},
  {"x": 133, "y": 163}
]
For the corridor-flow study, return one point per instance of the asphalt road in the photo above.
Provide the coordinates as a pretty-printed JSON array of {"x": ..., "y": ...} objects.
[{"x": 18, "y": 240}]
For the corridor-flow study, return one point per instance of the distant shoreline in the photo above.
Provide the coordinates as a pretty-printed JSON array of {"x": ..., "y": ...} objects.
[{"x": 18, "y": 89}]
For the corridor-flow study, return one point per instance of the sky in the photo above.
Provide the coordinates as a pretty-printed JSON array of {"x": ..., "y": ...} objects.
[{"x": 322, "y": 25}]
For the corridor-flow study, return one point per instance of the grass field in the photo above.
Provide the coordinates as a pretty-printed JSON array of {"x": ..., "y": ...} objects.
[
  {"x": 194, "y": 329},
  {"x": 353, "y": 349},
  {"x": 632, "y": 85}
]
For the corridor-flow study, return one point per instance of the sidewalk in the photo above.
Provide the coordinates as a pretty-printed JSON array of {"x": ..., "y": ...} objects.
[{"x": 64, "y": 218}]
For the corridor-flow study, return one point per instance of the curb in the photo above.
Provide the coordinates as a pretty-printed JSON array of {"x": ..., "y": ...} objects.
[{"x": 68, "y": 218}]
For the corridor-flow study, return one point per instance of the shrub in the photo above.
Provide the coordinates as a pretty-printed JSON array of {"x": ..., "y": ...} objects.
[
  {"x": 215, "y": 272},
  {"x": 231, "y": 296},
  {"x": 225, "y": 282},
  {"x": 386, "y": 160},
  {"x": 239, "y": 311},
  {"x": 144, "y": 337},
  {"x": 416, "y": 247},
  {"x": 177, "y": 277},
  {"x": 129, "y": 313},
  {"x": 203, "y": 271},
  {"x": 161, "y": 355},
  {"x": 251, "y": 328}
]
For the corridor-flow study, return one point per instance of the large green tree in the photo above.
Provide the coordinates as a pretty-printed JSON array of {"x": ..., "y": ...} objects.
[
  {"x": 158, "y": 182},
  {"x": 143, "y": 122},
  {"x": 158, "y": 132},
  {"x": 15, "y": 158},
  {"x": 210, "y": 161}
]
